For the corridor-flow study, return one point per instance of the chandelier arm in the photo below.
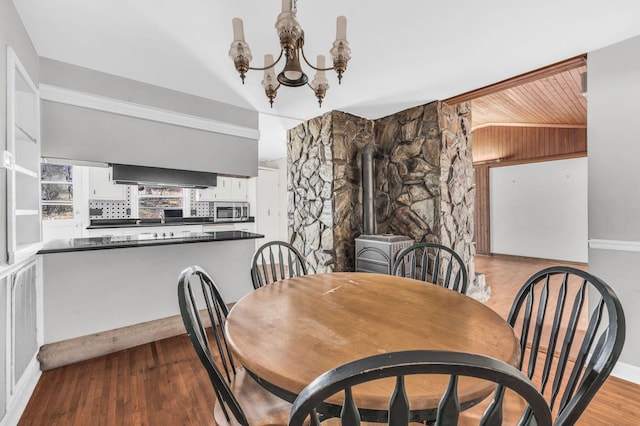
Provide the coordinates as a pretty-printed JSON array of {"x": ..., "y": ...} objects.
[
  {"x": 317, "y": 69},
  {"x": 270, "y": 66}
]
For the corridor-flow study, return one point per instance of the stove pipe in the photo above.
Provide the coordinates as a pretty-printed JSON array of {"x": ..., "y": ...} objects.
[{"x": 368, "y": 189}]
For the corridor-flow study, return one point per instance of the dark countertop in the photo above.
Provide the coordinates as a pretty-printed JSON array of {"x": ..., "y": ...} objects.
[
  {"x": 170, "y": 221},
  {"x": 113, "y": 242}
]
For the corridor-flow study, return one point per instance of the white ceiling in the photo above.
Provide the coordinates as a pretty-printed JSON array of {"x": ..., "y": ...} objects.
[{"x": 405, "y": 52}]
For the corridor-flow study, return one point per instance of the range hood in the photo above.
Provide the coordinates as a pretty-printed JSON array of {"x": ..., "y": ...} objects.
[{"x": 141, "y": 175}]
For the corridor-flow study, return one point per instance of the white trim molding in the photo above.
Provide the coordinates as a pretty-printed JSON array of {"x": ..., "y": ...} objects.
[
  {"x": 101, "y": 103},
  {"x": 17, "y": 402},
  {"x": 633, "y": 246},
  {"x": 627, "y": 372}
]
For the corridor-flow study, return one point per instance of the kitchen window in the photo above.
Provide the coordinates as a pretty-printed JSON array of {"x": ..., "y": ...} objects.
[
  {"x": 154, "y": 200},
  {"x": 56, "y": 182}
]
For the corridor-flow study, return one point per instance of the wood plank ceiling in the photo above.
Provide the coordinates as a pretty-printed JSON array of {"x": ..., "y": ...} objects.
[
  {"x": 547, "y": 97},
  {"x": 552, "y": 101}
]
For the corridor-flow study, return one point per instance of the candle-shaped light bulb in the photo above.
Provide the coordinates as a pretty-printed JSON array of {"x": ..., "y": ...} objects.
[
  {"x": 321, "y": 62},
  {"x": 269, "y": 74},
  {"x": 341, "y": 28},
  {"x": 320, "y": 84},
  {"x": 268, "y": 61},
  {"x": 286, "y": 5},
  {"x": 238, "y": 29}
]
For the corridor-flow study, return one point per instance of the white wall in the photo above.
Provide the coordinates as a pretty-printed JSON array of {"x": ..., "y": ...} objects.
[
  {"x": 540, "y": 210},
  {"x": 614, "y": 179}
]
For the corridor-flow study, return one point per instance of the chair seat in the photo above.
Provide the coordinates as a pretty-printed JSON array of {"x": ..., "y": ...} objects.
[{"x": 261, "y": 407}]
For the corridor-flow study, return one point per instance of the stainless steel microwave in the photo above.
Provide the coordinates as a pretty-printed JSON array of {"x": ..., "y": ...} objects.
[{"x": 230, "y": 211}]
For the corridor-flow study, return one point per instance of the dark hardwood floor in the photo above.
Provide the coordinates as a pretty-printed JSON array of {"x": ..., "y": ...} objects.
[{"x": 163, "y": 383}]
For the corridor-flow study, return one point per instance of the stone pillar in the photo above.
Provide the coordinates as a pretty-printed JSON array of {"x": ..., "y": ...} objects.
[
  {"x": 324, "y": 204},
  {"x": 457, "y": 183}
]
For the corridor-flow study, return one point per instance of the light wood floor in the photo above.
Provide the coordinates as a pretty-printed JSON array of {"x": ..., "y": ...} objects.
[{"x": 163, "y": 383}]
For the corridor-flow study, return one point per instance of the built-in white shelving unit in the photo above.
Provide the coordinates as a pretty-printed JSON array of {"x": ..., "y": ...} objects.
[{"x": 22, "y": 161}]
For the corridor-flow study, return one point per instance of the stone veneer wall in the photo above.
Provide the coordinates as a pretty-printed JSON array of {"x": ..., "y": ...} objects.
[
  {"x": 424, "y": 182},
  {"x": 457, "y": 187},
  {"x": 323, "y": 165}
]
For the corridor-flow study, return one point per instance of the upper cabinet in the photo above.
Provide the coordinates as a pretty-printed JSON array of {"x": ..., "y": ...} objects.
[
  {"x": 227, "y": 189},
  {"x": 22, "y": 161},
  {"x": 101, "y": 186},
  {"x": 239, "y": 189}
]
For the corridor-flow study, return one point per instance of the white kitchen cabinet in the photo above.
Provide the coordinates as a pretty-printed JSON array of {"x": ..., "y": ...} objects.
[
  {"x": 267, "y": 211},
  {"x": 101, "y": 186},
  {"x": 239, "y": 189},
  {"x": 22, "y": 161},
  {"x": 206, "y": 194},
  {"x": 176, "y": 230},
  {"x": 133, "y": 230},
  {"x": 210, "y": 227},
  {"x": 102, "y": 232},
  {"x": 220, "y": 192},
  {"x": 227, "y": 189},
  {"x": 245, "y": 226}
]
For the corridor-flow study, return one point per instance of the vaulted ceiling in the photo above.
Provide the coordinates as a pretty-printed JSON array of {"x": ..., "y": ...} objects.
[{"x": 405, "y": 52}]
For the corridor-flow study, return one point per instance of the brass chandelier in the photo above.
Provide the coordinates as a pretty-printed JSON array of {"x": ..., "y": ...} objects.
[{"x": 292, "y": 47}]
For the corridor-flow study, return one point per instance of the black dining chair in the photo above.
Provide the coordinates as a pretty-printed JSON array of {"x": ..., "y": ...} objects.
[
  {"x": 275, "y": 261},
  {"x": 311, "y": 402},
  {"x": 434, "y": 263},
  {"x": 240, "y": 400},
  {"x": 572, "y": 329}
]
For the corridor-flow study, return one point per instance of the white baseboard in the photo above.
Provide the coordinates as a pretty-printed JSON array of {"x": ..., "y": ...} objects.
[
  {"x": 20, "y": 398},
  {"x": 627, "y": 372}
]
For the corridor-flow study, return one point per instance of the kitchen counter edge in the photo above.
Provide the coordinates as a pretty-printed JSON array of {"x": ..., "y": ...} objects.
[{"x": 105, "y": 243}]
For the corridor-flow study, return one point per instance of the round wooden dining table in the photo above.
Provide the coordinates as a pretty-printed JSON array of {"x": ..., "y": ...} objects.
[{"x": 288, "y": 333}]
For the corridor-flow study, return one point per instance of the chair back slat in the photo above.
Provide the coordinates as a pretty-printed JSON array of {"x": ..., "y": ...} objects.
[
  {"x": 537, "y": 334},
  {"x": 434, "y": 263},
  {"x": 281, "y": 262},
  {"x": 221, "y": 341},
  {"x": 275, "y": 261},
  {"x": 273, "y": 265},
  {"x": 424, "y": 268},
  {"x": 315, "y": 419},
  {"x": 524, "y": 333},
  {"x": 398, "y": 404},
  {"x": 449, "y": 407},
  {"x": 567, "y": 343},
  {"x": 554, "y": 333},
  {"x": 580, "y": 343},
  {"x": 265, "y": 271},
  {"x": 349, "y": 413},
  {"x": 583, "y": 354},
  {"x": 217, "y": 311},
  {"x": 399, "y": 365},
  {"x": 449, "y": 273},
  {"x": 493, "y": 414}
]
